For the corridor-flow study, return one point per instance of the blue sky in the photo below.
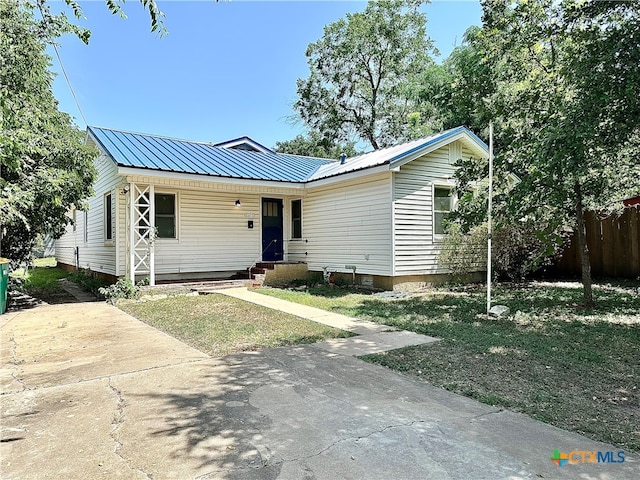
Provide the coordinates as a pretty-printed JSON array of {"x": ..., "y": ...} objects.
[{"x": 225, "y": 70}]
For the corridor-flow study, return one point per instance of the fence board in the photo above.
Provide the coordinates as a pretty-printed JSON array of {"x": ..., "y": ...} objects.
[{"x": 614, "y": 247}]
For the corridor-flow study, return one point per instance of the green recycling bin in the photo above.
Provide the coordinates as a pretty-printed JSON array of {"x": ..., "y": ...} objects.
[{"x": 4, "y": 284}]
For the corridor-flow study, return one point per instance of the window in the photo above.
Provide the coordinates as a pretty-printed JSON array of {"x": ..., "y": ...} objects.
[
  {"x": 442, "y": 205},
  {"x": 108, "y": 218},
  {"x": 270, "y": 209},
  {"x": 165, "y": 215},
  {"x": 296, "y": 219},
  {"x": 74, "y": 219},
  {"x": 86, "y": 226}
]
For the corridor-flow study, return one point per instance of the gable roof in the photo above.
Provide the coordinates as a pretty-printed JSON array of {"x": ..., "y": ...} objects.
[
  {"x": 244, "y": 143},
  {"x": 152, "y": 152},
  {"x": 400, "y": 154}
]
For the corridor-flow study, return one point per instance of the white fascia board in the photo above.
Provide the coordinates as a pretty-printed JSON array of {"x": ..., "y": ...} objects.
[
  {"x": 143, "y": 172},
  {"x": 343, "y": 177}
]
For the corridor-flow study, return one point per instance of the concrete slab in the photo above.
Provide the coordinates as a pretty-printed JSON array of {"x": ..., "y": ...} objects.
[
  {"x": 288, "y": 413},
  {"x": 59, "y": 344},
  {"x": 374, "y": 343}
]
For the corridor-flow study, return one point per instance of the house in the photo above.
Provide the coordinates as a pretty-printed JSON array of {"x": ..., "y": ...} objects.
[{"x": 176, "y": 209}]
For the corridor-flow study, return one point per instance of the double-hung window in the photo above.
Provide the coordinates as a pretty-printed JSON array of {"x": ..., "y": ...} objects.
[
  {"x": 108, "y": 218},
  {"x": 442, "y": 205},
  {"x": 165, "y": 215},
  {"x": 296, "y": 219}
]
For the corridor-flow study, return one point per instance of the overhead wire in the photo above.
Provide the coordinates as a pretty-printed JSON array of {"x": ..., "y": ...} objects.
[
  {"x": 73, "y": 93},
  {"x": 64, "y": 71}
]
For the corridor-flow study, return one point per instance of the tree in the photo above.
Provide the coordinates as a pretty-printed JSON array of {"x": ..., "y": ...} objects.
[
  {"x": 51, "y": 26},
  {"x": 364, "y": 72},
  {"x": 314, "y": 145},
  {"x": 45, "y": 168},
  {"x": 566, "y": 81}
]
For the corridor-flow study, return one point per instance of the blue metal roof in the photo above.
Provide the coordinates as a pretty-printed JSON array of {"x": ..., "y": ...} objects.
[
  {"x": 152, "y": 152},
  {"x": 173, "y": 155}
]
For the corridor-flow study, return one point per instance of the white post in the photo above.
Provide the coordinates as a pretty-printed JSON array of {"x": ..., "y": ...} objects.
[
  {"x": 152, "y": 234},
  {"x": 132, "y": 227},
  {"x": 489, "y": 217}
]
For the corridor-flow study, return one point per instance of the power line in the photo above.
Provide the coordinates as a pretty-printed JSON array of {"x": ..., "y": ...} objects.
[
  {"x": 66, "y": 77},
  {"x": 45, "y": 17}
]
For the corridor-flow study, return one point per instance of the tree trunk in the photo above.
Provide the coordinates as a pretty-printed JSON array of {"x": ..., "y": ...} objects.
[{"x": 583, "y": 248}]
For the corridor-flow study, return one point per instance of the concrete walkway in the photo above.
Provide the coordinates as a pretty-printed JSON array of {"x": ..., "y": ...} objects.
[
  {"x": 371, "y": 337},
  {"x": 90, "y": 392}
]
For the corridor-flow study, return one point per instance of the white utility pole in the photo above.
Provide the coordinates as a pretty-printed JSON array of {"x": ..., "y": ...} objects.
[{"x": 489, "y": 217}]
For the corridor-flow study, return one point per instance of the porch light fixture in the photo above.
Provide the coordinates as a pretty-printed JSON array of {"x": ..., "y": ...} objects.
[
  {"x": 238, "y": 203},
  {"x": 125, "y": 189}
]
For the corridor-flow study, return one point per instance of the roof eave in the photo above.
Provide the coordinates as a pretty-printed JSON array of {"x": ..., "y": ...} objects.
[
  {"x": 439, "y": 142},
  {"x": 208, "y": 178}
]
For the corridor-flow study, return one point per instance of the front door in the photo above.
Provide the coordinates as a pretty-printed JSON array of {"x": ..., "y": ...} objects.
[{"x": 272, "y": 247}]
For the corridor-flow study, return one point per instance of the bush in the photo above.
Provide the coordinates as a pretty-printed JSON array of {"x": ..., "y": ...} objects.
[
  {"x": 123, "y": 288},
  {"x": 87, "y": 281},
  {"x": 516, "y": 251}
]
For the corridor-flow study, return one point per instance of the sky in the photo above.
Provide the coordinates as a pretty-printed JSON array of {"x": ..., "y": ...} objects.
[{"x": 224, "y": 70}]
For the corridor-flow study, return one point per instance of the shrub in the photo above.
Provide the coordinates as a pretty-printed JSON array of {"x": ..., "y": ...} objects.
[
  {"x": 123, "y": 288},
  {"x": 87, "y": 281},
  {"x": 516, "y": 251}
]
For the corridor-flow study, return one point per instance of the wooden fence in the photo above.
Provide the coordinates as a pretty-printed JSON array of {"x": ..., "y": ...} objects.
[{"x": 614, "y": 247}]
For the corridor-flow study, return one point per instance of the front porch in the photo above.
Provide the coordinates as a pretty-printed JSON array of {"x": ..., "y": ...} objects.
[{"x": 176, "y": 233}]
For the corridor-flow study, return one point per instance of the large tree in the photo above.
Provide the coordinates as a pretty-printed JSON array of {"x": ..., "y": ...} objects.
[
  {"x": 364, "y": 72},
  {"x": 565, "y": 88},
  {"x": 313, "y": 144},
  {"x": 45, "y": 168}
]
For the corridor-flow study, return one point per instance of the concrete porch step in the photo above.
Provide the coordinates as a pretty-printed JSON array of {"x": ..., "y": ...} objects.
[{"x": 211, "y": 287}]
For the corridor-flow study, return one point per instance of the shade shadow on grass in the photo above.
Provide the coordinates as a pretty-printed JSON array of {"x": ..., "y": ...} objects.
[
  {"x": 552, "y": 359},
  {"x": 219, "y": 325}
]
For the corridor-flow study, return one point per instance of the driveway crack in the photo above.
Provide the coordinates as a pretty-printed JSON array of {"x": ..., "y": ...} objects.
[
  {"x": 117, "y": 422},
  {"x": 356, "y": 438},
  {"x": 493, "y": 412},
  {"x": 15, "y": 362}
]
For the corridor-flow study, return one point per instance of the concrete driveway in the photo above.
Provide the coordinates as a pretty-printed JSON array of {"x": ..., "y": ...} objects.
[{"x": 90, "y": 392}]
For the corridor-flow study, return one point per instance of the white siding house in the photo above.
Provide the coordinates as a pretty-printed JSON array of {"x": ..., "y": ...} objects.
[{"x": 172, "y": 209}]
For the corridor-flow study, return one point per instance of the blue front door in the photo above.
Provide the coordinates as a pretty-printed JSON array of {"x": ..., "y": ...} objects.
[{"x": 272, "y": 247}]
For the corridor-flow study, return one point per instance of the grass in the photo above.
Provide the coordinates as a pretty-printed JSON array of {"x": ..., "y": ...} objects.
[
  {"x": 577, "y": 369},
  {"x": 219, "y": 325},
  {"x": 41, "y": 281}
]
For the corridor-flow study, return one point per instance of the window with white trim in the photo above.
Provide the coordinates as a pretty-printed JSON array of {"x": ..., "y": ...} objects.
[
  {"x": 86, "y": 226},
  {"x": 442, "y": 205},
  {"x": 108, "y": 218},
  {"x": 296, "y": 219},
  {"x": 165, "y": 217}
]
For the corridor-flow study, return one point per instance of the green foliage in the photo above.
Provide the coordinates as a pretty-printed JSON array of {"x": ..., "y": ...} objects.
[
  {"x": 364, "y": 72},
  {"x": 464, "y": 252},
  {"x": 45, "y": 167},
  {"x": 316, "y": 145},
  {"x": 51, "y": 26},
  {"x": 563, "y": 77},
  {"x": 87, "y": 281},
  {"x": 123, "y": 288},
  {"x": 516, "y": 251}
]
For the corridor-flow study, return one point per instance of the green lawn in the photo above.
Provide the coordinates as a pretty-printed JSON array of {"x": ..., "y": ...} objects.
[
  {"x": 219, "y": 325},
  {"x": 551, "y": 359},
  {"x": 41, "y": 281}
]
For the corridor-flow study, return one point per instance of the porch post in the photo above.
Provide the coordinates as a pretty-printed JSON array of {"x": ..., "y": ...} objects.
[
  {"x": 131, "y": 274},
  {"x": 152, "y": 235}
]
